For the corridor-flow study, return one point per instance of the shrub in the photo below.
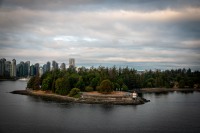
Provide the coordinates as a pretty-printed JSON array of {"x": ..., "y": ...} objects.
[
  {"x": 73, "y": 92},
  {"x": 124, "y": 87},
  {"x": 98, "y": 88},
  {"x": 89, "y": 89}
]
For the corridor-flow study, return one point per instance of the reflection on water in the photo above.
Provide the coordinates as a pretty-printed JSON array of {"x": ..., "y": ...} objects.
[{"x": 185, "y": 92}]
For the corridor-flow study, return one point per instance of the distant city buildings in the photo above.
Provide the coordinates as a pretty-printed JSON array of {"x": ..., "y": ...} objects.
[
  {"x": 54, "y": 65},
  {"x": 71, "y": 63},
  {"x": 48, "y": 67},
  {"x": 13, "y": 68},
  {"x": 10, "y": 69},
  {"x": 63, "y": 66},
  {"x": 2, "y": 67},
  {"x": 40, "y": 71},
  {"x": 7, "y": 69}
]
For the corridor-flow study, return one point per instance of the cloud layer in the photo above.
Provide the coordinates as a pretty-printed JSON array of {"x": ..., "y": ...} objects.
[{"x": 117, "y": 31}]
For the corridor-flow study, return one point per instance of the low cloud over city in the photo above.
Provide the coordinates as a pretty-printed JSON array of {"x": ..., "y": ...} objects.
[{"x": 100, "y": 31}]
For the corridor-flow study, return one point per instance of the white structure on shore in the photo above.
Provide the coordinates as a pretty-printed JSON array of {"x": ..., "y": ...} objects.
[{"x": 134, "y": 95}]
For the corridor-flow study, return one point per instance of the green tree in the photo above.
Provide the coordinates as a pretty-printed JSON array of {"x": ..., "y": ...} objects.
[
  {"x": 46, "y": 83},
  {"x": 181, "y": 83},
  {"x": 62, "y": 86},
  {"x": 73, "y": 79},
  {"x": 80, "y": 84},
  {"x": 89, "y": 89},
  {"x": 116, "y": 86},
  {"x": 94, "y": 82},
  {"x": 30, "y": 83},
  {"x": 106, "y": 86},
  {"x": 36, "y": 85},
  {"x": 124, "y": 87}
]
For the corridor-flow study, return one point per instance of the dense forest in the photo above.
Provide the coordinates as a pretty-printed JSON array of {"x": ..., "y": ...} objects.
[{"x": 63, "y": 81}]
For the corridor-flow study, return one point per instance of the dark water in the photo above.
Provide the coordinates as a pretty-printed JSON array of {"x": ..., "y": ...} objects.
[{"x": 172, "y": 112}]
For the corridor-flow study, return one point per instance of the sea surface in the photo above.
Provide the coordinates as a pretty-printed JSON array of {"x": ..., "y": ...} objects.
[
  {"x": 170, "y": 112},
  {"x": 141, "y": 66}
]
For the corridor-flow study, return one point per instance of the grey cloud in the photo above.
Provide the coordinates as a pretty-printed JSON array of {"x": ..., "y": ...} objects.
[
  {"x": 101, "y": 31},
  {"x": 143, "y": 5}
]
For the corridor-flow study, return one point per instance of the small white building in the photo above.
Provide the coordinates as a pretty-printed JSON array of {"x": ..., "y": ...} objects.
[{"x": 134, "y": 95}]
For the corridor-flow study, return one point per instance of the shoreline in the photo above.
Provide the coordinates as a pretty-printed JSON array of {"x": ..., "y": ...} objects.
[{"x": 86, "y": 98}]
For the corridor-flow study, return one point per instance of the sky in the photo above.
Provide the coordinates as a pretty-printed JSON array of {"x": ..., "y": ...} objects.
[{"x": 101, "y": 31}]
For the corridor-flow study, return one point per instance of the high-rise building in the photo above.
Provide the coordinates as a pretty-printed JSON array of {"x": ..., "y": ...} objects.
[
  {"x": 13, "y": 68},
  {"x": 27, "y": 69},
  {"x": 63, "y": 66},
  {"x": 7, "y": 69},
  {"x": 71, "y": 63},
  {"x": 37, "y": 67},
  {"x": 54, "y": 65},
  {"x": 48, "y": 68},
  {"x": 32, "y": 70},
  {"x": 44, "y": 67},
  {"x": 20, "y": 69},
  {"x": 2, "y": 67},
  {"x": 40, "y": 71}
]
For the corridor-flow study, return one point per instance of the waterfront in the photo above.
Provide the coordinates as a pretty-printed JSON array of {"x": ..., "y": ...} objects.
[{"x": 169, "y": 112}]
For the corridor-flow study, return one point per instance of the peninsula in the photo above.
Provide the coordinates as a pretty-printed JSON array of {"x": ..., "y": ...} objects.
[
  {"x": 117, "y": 97},
  {"x": 108, "y": 85}
]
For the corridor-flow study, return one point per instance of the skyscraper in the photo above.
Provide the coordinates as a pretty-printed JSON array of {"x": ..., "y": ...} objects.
[
  {"x": 48, "y": 67},
  {"x": 63, "y": 66},
  {"x": 27, "y": 69},
  {"x": 32, "y": 70},
  {"x": 2, "y": 67},
  {"x": 40, "y": 71},
  {"x": 71, "y": 63},
  {"x": 7, "y": 69},
  {"x": 20, "y": 69},
  {"x": 54, "y": 65},
  {"x": 13, "y": 68},
  {"x": 44, "y": 67},
  {"x": 37, "y": 67}
]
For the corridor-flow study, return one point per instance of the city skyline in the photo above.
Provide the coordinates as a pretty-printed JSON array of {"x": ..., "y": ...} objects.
[
  {"x": 113, "y": 32},
  {"x": 11, "y": 69}
]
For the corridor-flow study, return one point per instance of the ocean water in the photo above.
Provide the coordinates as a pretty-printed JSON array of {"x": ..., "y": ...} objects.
[
  {"x": 169, "y": 112},
  {"x": 141, "y": 66}
]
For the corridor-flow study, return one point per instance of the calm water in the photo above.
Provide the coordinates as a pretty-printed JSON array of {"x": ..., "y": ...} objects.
[{"x": 172, "y": 112}]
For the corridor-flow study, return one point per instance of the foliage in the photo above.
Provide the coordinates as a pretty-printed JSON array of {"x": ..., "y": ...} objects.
[
  {"x": 74, "y": 92},
  {"x": 30, "y": 83},
  {"x": 124, "y": 87},
  {"x": 80, "y": 84},
  {"x": 34, "y": 83},
  {"x": 62, "y": 86},
  {"x": 106, "y": 86},
  {"x": 98, "y": 88},
  {"x": 89, "y": 89},
  {"x": 118, "y": 77},
  {"x": 46, "y": 83}
]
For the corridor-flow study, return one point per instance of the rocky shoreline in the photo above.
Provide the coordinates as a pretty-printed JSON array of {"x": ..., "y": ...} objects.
[{"x": 88, "y": 99}]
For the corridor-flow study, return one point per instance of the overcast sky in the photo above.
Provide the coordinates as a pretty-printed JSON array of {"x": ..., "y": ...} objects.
[{"x": 101, "y": 31}]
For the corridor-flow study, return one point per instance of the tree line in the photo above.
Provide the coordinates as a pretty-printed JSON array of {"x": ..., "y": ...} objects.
[{"x": 92, "y": 79}]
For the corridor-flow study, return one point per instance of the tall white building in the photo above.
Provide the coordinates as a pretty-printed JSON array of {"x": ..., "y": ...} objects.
[
  {"x": 63, "y": 66},
  {"x": 71, "y": 62},
  {"x": 40, "y": 71},
  {"x": 13, "y": 68}
]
